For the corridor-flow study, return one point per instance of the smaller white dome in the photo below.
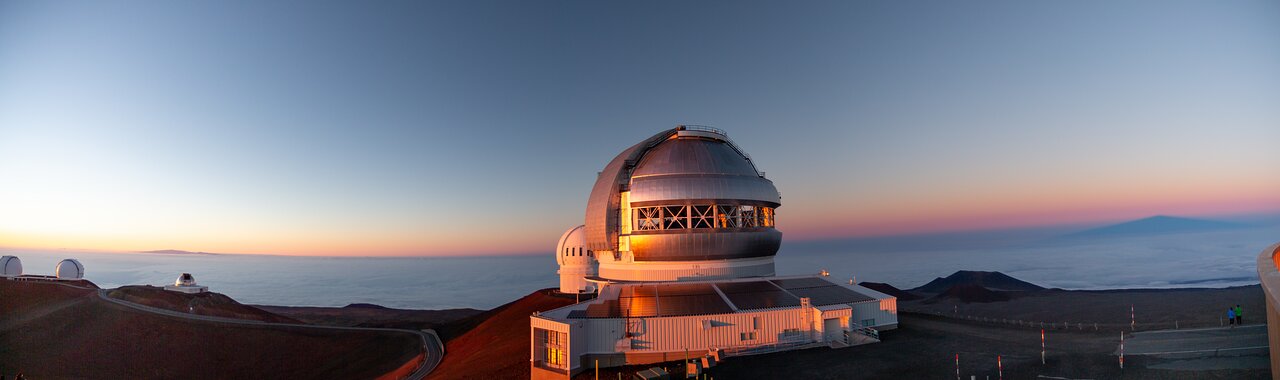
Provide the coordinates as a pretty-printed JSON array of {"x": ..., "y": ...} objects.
[
  {"x": 186, "y": 279},
  {"x": 572, "y": 248},
  {"x": 10, "y": 266},
  {"x": 70, "y": 269}
]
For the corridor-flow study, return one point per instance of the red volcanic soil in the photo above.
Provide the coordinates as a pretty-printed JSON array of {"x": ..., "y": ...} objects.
[
  {"x": 366, "y": 315},
  {"x": 494, "y": 344},
  {"x": 207, "y": 303},
  {"x": 54, "y": 331}
]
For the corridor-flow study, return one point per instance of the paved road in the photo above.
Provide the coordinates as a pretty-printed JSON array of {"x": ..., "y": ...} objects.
[
  {"x": 1191, "y": 343},
  {"x": 430, "y": 341}
]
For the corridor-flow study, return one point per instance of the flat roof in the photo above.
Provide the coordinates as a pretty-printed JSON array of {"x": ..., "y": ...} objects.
[{"x": 671, "y": 299}]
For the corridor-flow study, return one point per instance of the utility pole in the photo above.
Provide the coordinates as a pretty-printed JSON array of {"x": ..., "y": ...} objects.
[
  {"x": 1041, "y": 346},
  {"x": 957, "y": 366}
]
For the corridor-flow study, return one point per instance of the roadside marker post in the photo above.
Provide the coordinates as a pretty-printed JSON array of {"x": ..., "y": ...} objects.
[
  {"x": 1122, "y": 350},
  {"x": 1000, "y": 367},
  {"x": 957, "y": 366},
  {"x": 1041, "y": 346},
  {"x": 1132, "y": 320}
]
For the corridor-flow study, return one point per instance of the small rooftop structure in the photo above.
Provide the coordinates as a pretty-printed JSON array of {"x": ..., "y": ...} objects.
[
  {"x": 186, "y": 283},
  {"x": 69, "y": 269},
  {"x": 10, "y": 266},
  {"x": 655, "y": 373}
]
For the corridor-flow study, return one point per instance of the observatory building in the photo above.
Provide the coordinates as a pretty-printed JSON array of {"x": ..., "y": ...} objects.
[
  {"x": 10, "y": 266},
  {"x": 677, "y": 247},
  {"x": 186, "y": 283},
  {"x": 69, "y": 269}
]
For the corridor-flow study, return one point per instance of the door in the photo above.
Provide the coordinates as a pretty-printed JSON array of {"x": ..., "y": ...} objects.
[{"x": 831, "y": 330}]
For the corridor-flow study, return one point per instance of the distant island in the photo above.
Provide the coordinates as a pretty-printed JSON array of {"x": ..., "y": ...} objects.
[
  {"x": 176, "y": 252},
  {"x": 1160, "y": 224}
]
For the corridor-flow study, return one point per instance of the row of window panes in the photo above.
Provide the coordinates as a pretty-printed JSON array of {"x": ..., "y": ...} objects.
[
  {"x": 554, "y": 352},
  {"x": 700, "y": 216},
  {"x": 576, "y": 252}
]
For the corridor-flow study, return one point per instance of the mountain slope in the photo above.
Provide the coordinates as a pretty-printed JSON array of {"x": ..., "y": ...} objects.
[
  {"x": 989, "y": 280},
  {"x": 902, "y": 295}
]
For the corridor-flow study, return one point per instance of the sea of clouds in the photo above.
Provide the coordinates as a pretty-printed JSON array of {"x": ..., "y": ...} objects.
[{"x": 1204, "y": 259}]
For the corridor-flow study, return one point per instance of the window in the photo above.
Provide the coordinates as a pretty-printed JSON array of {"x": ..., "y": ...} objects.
[
  {"x": 648, "y": 218},
  {"x": 702, "y": 216},
  {"x": 791, "y": 333},
  {"x": 747, "y": 335},
  {"x": 675, "y": 217},
  {"x": 868, "y": 322},
  {"x": 655, "y": 218},
  {"x": 748, "y": 216},
  {"x": 553, "y": 353},
  {"x": 755, "y": 323}
]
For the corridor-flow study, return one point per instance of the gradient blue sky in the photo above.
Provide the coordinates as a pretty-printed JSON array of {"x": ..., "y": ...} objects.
[{"x": 471, "y": 127}]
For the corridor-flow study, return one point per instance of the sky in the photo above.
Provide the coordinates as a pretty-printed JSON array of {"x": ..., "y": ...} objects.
[{"x": 476, "y": 127}]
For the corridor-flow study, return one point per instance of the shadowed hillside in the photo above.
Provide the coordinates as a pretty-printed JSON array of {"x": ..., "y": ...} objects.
[
  {"x": 207, "y": 303},
  {"x": 902, "y": 295},
  {"x": 51, "y": 331},
  {"x": 367, "y": 315},
  {"x": 970, "y": 293}
]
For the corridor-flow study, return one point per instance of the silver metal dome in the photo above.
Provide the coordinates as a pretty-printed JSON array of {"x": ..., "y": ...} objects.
[{"x": 693, "y": 195}]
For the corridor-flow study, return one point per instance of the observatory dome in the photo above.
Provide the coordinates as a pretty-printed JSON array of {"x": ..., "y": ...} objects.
[
  {"x": 572, "y": 248},
  {"x": 70, "y": 269},
  {"x": 186, "y": 279},
  {"x": 10, "y": 266},
  {"x": 576, "y": 262},
  {"x": 686, "y": 195}
]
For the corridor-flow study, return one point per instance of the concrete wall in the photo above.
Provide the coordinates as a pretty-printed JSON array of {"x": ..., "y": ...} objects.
[{"x": 1269, "y": 275}]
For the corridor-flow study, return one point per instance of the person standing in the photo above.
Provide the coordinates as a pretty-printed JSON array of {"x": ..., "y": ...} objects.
[
  {"x": 1239, "y": 316},
  {"x": 1231, "y": 316}
]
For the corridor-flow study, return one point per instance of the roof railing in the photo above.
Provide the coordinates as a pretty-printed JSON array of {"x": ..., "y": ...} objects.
[{"x": 705, "y": 128}]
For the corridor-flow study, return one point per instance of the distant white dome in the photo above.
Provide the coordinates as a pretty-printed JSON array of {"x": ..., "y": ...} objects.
[
  {"x": 576, "y": 262},
  {"x": 10, "y": 266},
  {"x": 70, "y": 269},
  {"x": 186, "y": 279},
  {"x": 572, "y": 248}
]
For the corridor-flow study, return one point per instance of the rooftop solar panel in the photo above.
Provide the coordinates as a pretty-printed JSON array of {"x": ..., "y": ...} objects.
[
  {"x": 638, "y": 306},
  {"x": 639, "y": 291},
  {"x": 807, "y": 282},
  {"x": 685, "y": 290},
  {"x": 607, "y": 309},
  {"x": 692, "y": 305},
  {"x": 829, "y": 295},
  {"x": 746, "y": 287},
  {"x": 762, "y": 300}
]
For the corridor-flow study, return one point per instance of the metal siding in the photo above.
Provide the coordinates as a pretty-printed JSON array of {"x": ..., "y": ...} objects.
[
  {"x": 705, "y": 245},
  {"x": 674, "y": 334},
  {"x": 694, "y": 155},
  {"x": 876, "y": 309},
  {"x": 602, "y": 206},
  {"x": 677, "y": 188}
]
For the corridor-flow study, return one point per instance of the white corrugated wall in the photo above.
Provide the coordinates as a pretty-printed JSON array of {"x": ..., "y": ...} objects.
[{"x": 672, "y": 334}]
